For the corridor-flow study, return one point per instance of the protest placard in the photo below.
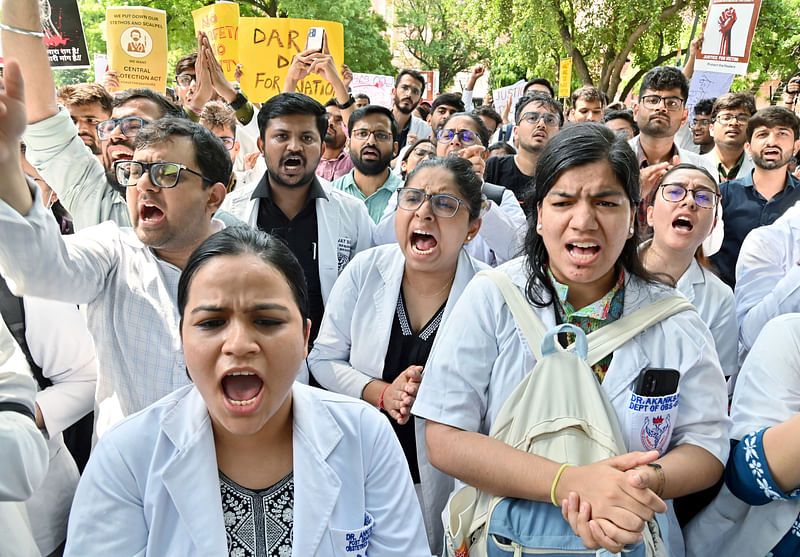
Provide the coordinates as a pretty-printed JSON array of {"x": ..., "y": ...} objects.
[
  {"x": 729, "y": 32},
  {"x": 220, "y": 22},
  {"x": 509, "y": 93},
  {"x": 431, "y": 85},
  {"x": 100, "y": 66},
  {"x": 565, "y": 77},
  {"x": 707, "y": 85},
  {"x": 377, "y": 87},
  {"x": 63, "y": 34},
  {"x": 266, "y": 48},
  {"x": 137, "y": 46}
]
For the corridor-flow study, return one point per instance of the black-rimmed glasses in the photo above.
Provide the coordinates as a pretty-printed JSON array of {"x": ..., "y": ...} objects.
[
  {"x": 675, "y": 193},
  {"x": 442, "y": 204},
  {"x": 162, "y": 174},
  {"x": 130, "y": 126},
  {"x": 651, "y": 102}
]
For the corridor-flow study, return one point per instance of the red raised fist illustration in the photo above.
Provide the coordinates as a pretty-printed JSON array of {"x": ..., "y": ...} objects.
[{"x": 726, "y": 21}]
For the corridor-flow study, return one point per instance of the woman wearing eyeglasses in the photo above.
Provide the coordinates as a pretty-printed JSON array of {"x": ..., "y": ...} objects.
[
  {"x": 387, "y": 305},
  {"x": 682, "y": 211},
  {"x": 581, "y": 267},
  {"x": 422, "y": 150}
]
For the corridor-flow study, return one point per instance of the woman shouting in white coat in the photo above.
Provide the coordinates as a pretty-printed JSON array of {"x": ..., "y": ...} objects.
[{"x": 390, "y": 301}]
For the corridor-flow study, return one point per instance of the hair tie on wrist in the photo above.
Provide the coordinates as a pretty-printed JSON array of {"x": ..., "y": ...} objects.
[{"x": 555, "y": 483}]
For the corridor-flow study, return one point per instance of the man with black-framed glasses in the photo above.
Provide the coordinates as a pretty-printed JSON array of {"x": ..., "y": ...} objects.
[
  {"x": 660, "y": 112},
  {"x": 372, "y": 146},
  {"x": 729, "y": 117},
  {"x": 538, "y": 119}
]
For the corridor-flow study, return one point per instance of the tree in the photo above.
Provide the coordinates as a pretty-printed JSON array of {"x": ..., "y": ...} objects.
[{"x": 438, "y": 34}]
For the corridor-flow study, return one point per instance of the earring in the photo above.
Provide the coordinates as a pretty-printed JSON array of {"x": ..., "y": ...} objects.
[
  {"x": 469, "y": 238},
  {"x": 630, "y": 230},
  {"x": 539, "y": 226}
]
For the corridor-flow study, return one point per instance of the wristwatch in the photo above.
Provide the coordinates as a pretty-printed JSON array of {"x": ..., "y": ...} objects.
[
  {"x": 238, "y": 102},
  {"x": 350, "y": 102}
]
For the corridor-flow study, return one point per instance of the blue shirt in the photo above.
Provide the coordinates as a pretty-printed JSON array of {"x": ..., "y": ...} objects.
[{"x": 744, "y": 209}]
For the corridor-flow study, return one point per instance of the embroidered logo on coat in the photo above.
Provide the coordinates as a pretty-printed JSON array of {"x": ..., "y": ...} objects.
[{"x": 655, "y": 433}]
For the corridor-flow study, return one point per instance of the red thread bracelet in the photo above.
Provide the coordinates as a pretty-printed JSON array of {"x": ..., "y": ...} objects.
[{"x": 380, "y": 398}]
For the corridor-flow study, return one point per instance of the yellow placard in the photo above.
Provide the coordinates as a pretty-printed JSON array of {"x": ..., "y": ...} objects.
[
  {"x": 220, "y": 22},
  {"x": 137, "y": 46},
  {"x": 266, "y": 48},
  {"x": 565, "y": 77}
]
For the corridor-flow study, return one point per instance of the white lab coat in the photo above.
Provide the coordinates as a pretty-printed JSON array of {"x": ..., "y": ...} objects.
[
  {"x": 344, "y": 228},
  {"x": 480, "y": 357},
  {"x": 767, "y": 276},
  {"x": 152, "y": 484},
  {"x": 353, "y": 338},
  {"x": 500, "y": 238},
  {"x": 23, "y": 464},
  {"x": 747, "y": 165},
  {"x": 715, "y": 304},
  {"x": 767, "y": 394},
  {"x": 61, "y": 345}
]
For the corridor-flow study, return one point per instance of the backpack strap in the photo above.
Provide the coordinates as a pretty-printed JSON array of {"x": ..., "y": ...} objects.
[
  {"x": 608, "y": 338},
  {"x": 529, "y": 323},
  {"x": 12, "y": 309}
]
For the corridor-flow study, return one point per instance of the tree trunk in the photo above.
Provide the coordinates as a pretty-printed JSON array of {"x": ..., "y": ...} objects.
[{"x": 640, "y": 74}]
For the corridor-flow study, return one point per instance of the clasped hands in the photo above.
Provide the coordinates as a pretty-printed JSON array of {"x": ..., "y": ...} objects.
[
  {"x": 608, "y": 503},
  {"x": 399, "y": 396}
]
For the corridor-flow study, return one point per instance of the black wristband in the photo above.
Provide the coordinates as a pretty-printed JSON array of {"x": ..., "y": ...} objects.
[
  {"x": 17, "y": 407},
  {"x": 350, "y": 102},
  {"x": 238, "y": 102}
]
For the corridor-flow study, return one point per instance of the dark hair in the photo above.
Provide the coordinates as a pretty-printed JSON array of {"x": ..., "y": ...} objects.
[
  {"x": 210, "y": 154},
  {"x": 705, "y": 106},
  {"x": 772, "y": 117},
  {"x": 539, "y": 81},
  {"x": 85, "y": 93},
  {"x": 187, "y": 62},
  {"x": 664, "y": 78},
  {"x": 413, "y": 73},
  {"x": 586, "y": 93},
  {"x": 331, "y": 102},
  {"x": 626, "y": 115},
  {"x": 616, "y": 105},
  {"x": 699, "y": 255},
  {"x": 361, "y": 96},
  {"x": 361, "y": 113},
  {"x": 508, "y": 148},
  {"x": 576, "y": 146},
  {"x": 729, "y": 101},
  {"x": 489, "y": 112},
  {"x": 415, "y": 145},
  {"x": 543, "y": 99},
  {"x": 469, "y": 184},
  {"x": 287, "y": 104},
  {"x": 424, "y": 110},
  {"x": 167, "y": 107},
  {"x": 246, "y": 240},
  {"x": 483, "y": 131},
  {"x": 449, "y": 99},
  {"x": 218, "y": 114}
]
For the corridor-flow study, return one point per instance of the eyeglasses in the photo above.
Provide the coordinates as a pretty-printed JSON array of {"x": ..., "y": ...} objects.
[
  {"x": 162, "y": 174},
  {"x": 675, "y": 193},
  {"x": 549, "y": 118},
  {"x": 651, "y": 102},
  {"x": 415, "y": 91},
  {"x": 731, "y": 118},
  {"x": 228, "y": 142},
  {"x": 362, "y": 134},
  {"x": 185, "y": 79},
  {"x": 442, "y": 204},
  {"x": 465, "y": 137},
  {"x": 130, "y": 126},
  {"x": 700, "y": 123},
  {"x": 424, "y": 153}
]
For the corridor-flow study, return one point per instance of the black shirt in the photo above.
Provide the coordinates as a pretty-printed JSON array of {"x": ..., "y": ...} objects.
[
  {"x": 503, "y": 171},
  {"x": 402, "y": 137},
  {"x": 300, "y": 234},
  {"x": 408, "y": 348}
]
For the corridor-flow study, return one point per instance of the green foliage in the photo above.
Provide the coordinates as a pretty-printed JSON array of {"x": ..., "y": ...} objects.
[{"x": 439, "y": 35}]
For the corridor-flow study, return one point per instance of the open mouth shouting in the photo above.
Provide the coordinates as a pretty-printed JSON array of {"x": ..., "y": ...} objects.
[
  {"x": 583, "y": 252},
  {"x": 119, "y": 152},
  {"x": 293, "y": 164},
  {"x": 771, "y": 152},
  {"x": 370, "y": 154},
  {"x": 683, "y": 224},
  {"x": 150, "y": 213},
  {"x": 242, "y": 389},
  {"x": 422, "y": 242}
]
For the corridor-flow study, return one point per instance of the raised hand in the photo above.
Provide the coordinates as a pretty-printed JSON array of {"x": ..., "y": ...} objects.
[{"x": 13, "y": 118}]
